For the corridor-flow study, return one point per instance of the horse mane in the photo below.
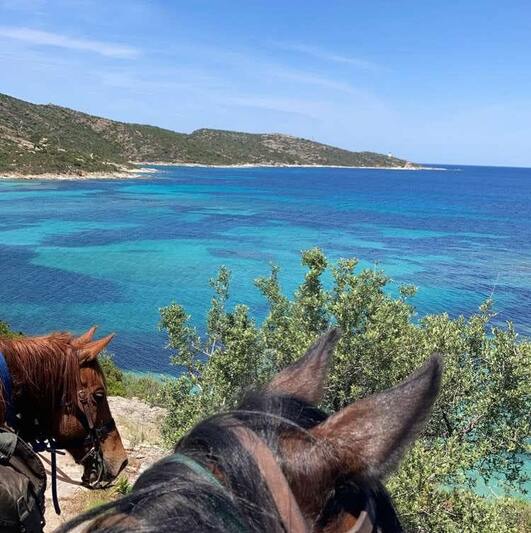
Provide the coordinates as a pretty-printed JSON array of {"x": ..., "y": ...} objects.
[
  {"x": 46, "y": 366},
  {"x": 170, "y": 496}
]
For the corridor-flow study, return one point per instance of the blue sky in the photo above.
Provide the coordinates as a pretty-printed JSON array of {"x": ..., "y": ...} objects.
[{"x": 429, "y": 80}]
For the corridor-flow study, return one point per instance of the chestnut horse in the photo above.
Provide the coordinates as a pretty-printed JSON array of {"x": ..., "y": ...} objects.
[
  {"x": 279, "y": 464},
  {"x": 58, "y": 395}
]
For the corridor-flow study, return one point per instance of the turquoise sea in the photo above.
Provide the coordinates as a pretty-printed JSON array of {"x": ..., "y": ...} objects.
[{"x": 112, "y": 252}]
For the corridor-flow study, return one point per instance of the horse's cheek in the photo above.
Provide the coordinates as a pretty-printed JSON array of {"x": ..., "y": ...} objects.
[{"x": 69, "y": 428}]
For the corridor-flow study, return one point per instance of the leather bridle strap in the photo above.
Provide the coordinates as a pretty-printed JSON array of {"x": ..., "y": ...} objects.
[
  {"x": 96, "y": 434},
  {"x": 278, "y": 485},
  {"x": 285, "y": 501},
  {"x": 83, "y": 404}
]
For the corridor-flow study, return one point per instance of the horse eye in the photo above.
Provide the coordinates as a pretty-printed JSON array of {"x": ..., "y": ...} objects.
[{"x": 99, "y": 395}]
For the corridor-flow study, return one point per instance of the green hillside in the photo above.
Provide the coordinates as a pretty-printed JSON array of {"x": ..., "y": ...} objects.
[{"x": 47, "y": 138}]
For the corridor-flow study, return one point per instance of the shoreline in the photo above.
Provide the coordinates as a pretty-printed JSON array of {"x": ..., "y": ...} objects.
[
  {"x": 145, "y": 167},
  {"x": 265, "y": 165},
  {"x": 101, "y": 175}
]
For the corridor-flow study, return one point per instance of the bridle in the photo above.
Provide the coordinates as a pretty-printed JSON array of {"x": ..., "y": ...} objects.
[
  {"x": 96, "y": 435},
  {"x": 92, "y": 461},
  {"x": 279, "y": 488},
  {"x": 93, "y": 458},
  {"x": 283, "y": 496},
  {"x": 276, "y": 482}
]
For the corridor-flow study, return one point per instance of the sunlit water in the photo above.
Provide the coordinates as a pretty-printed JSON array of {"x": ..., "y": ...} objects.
[{"x": 113, "y": 252}]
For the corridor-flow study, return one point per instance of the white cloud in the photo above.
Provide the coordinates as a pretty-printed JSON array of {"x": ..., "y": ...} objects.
[
  {"x": 325, "y": 55},
  {"x": 44, "y": 38}
]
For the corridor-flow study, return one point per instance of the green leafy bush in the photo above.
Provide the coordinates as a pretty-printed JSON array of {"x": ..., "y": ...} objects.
[
  {"x": 128, "y": 385},
  {"x": 479, "y": 425}
]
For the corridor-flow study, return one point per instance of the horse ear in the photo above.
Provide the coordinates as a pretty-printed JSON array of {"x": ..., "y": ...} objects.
[
  {"x": 370, "y": 436},
  {"x": 78, "y": 342},
  {"x": 91, "y": 350},
  {"x": 305, "y": 379}
]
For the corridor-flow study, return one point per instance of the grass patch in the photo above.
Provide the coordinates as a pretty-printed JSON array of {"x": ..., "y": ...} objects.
[
  {"x": 85, "y": 500},
  {"x": 128, "y": 385}
]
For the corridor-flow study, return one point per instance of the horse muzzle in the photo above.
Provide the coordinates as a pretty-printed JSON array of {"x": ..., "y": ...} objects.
[{"x": 97, "y": 474}]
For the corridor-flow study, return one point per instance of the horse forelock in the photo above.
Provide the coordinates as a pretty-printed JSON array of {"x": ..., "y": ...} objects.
[{"x": 46, "y": 366}]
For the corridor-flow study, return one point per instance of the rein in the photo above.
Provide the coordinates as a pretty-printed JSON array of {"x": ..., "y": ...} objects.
[
  {"x": 96, "y": 434},
  {"x": 285, "y": 501}
]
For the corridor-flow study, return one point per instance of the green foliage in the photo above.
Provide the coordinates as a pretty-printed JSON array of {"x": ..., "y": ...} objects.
[
  {"x": 114, "y": 376},
  {"x": 128, "y": 385},
  {"x": 122, "y": 486},
  {"x": 83, "y": 501},
  {"x": 479, "y": 425},
  {"x": 6, "y": 331}
]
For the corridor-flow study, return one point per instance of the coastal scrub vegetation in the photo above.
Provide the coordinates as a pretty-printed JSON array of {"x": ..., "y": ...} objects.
[
  {"x": 128, "y": 384},
  {"x": 477, "y": 433}
]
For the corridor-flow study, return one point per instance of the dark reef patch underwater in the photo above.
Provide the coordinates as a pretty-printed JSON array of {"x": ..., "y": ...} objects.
[{"x": 73, "y": 253}]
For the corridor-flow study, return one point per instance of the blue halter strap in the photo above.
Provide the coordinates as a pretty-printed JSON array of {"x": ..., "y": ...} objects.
[{"x": 5, "y": 378}]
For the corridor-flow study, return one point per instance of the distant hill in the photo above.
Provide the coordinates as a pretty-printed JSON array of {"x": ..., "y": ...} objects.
[{"x": 35, "y": 139}]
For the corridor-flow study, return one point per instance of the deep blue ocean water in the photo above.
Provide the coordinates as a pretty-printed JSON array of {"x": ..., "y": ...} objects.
[{"x": 75, "y": 253}]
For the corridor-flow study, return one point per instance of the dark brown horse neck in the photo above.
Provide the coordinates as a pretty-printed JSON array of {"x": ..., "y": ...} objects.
[{"x": 45, "y": 376}]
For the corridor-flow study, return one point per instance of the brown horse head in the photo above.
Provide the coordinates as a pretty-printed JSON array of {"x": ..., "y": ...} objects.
[
  {"x": 277, "y": 463},
  {"x": 59, "y": 393}
]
